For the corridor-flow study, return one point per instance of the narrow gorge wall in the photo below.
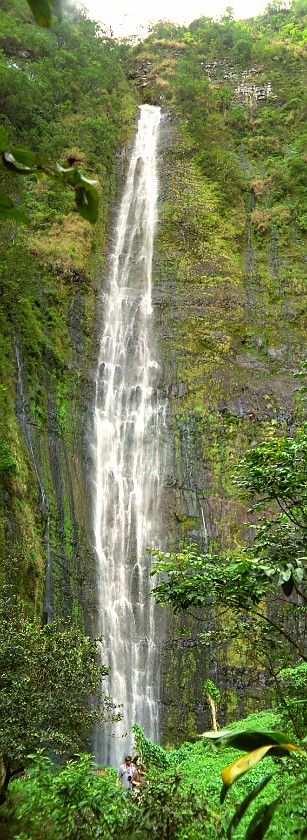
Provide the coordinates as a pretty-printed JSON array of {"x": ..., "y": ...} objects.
[{"x": 45, "y": 533}]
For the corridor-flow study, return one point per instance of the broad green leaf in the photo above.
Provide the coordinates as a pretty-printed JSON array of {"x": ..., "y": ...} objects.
[
  {"x": 241, "y": 766},
  {"x": 298, "y": 573},
  {"x": 24, "y": 156},
  {"x": 65, "y": 170},
  {"x": 260, "y": 823},
  {"x": 222, "y": 733},
  {"x": 245, "y": 804},
  {"x": 248, "y": 740},
  {"x": 12, "y": 163},
  {"x": 90, "y": 181},
  {"x": 87, "y": 201},
  {"x": 4, "y": 140},
  {"x": 9, "y": 211},
  {"x": 87, "y": 198},
  {"x": 73, "y": 176},
  {"x": 25, "y": 162},
  {"x": 223, "y": 793},
  {"x": 41, "y": 11},
  {"x": 251, "y": 833}
]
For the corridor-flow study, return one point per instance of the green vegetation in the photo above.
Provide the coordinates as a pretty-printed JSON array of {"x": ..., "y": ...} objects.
[
  {"x": 230, "y": 106},
  {"x": 246, "y": 589},
  {"x": 182, "y": 800},
  {"x": 259, "y": 744},
  {"x": 230, "y": 267},
  {"x": 24, "y": 162},
  {"x": 63, "y": 97},
  {"x": 259, "y": 601},
  {"x": 50, "y": 691},
  {"x": 231, "y": 248}
]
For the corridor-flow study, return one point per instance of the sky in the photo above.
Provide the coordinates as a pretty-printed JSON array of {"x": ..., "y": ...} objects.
[{"x": 131, "y": 17}]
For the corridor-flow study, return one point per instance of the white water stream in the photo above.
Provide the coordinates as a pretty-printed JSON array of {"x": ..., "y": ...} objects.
[{"x": 130, "y": 430}]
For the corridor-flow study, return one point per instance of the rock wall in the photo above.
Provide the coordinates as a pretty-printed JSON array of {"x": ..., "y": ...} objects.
[
  {"x": 45, "y": 519},
  {"x": 224, "y": 309}
]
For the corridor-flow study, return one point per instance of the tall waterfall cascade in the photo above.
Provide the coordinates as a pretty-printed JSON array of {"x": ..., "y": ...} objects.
[{"x": 129, "y": 445}]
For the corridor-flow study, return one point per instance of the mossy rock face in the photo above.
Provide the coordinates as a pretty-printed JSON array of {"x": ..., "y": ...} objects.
[
  {"x": 225, "y": 295},
  {"x": 50, "y": 275},
  {"x": 227, "y": 369},
  {"x": 45, "y": 517}
]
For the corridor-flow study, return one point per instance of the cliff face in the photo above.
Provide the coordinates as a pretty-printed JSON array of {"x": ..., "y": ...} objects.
[
  {"x": 229, "y": 352},
  {"x": 229, "y": 304},
  {"x": 229, "y": 340},
  {"x": 229, "y": 309},
  {"x": 46, "y": 531},
  {"x": 51, "y": 271}
]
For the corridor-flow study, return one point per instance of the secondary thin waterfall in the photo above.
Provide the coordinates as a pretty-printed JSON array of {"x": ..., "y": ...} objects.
[{"x": 129, "y": 425}]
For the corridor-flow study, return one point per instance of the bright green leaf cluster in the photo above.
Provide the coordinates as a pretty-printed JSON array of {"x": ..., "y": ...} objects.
[
  {"x": 24, "y": 162},
  {"x": 259, "y": 744},
  {"x": 47, "y": 678}
]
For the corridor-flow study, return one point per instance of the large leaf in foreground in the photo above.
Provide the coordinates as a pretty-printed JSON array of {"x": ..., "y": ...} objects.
[
  {"x": 242, "y": 739},
  {"x": 242, "y": 808},
  {"x": 261, "y": 821},
  {"x": 241, "y": 766},
  {"x": 42, "y": 11},
  {"x": 9, "y": 211},
  {"x": 24, "y": 162}
]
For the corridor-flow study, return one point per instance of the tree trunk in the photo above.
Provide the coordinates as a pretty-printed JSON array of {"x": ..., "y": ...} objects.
[
  {"x": 213, "y": 712},
  {"x": 5, "y": 776}
]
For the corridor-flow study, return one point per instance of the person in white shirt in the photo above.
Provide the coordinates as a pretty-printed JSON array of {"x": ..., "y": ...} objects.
[{"x": 125, "y": 773}]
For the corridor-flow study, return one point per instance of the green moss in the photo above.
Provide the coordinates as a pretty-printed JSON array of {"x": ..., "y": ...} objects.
[{"x": 48, "y": 290}]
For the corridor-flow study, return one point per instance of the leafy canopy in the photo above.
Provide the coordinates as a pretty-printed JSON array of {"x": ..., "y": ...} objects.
[
  {"x": 274, "y": 472},
  {"x": 50, "y": 688},
  {"x": 259, "y": 595},
  {"x": 22, "y": 161}
]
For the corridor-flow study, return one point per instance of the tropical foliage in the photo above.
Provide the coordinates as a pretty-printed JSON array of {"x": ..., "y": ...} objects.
[
  {"x": 274, "y": 477},
  {"x": 64, "y": 95},
  {"x": 36, "y": 92},
  {"x": 183, "y": 798},
  {"x": 239, "y": 166},
  {"x": 259, "y": 744},
  {"x": 24, "y": 162},
  {"x": 50, "y": 690}
]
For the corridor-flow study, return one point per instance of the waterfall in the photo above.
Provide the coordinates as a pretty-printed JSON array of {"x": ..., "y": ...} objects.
[{"x": 129, "y": 434}]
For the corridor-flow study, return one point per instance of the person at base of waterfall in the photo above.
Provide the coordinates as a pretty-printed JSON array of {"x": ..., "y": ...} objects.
[
  {"x": 139, "y": 776},
  {"x": 125, "y": 773},
  {"x": 139, "y": 780}
]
